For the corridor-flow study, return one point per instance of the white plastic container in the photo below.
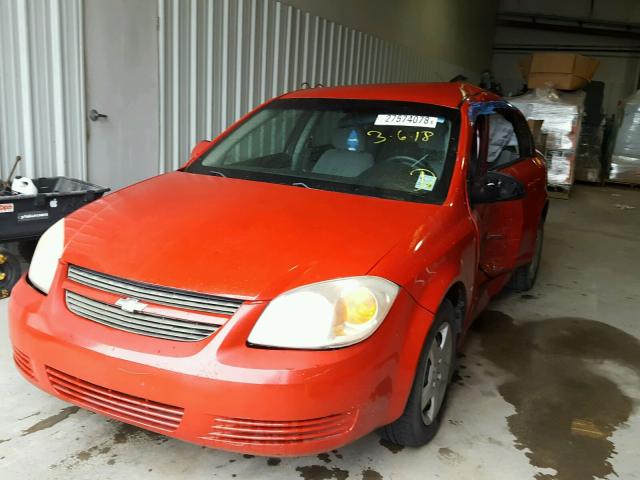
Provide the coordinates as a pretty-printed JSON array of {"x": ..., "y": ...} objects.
[{"x": 24, "y": 186}]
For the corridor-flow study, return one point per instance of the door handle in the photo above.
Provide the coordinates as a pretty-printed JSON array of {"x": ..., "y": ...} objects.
[{"x": 95, "y": 115}]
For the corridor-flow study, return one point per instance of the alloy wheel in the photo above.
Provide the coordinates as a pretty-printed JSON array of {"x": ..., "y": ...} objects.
[{"x": 437, "y": 373}]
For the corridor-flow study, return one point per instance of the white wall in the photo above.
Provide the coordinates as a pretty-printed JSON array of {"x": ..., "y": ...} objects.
[
  {"x": 219, "y": 59},
  {"x": 458, "y": 32},
  {"x": 42, "y": 87}
]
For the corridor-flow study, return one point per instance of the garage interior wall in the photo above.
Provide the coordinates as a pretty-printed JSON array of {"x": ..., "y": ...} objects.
[
  {"x": 218, "y": 59},
  {"x": 619, "y": 57},
  {"x": 42, "y": 88},
  {"x": 242, "y": 52},
  {"x": 451, "y": 33}
]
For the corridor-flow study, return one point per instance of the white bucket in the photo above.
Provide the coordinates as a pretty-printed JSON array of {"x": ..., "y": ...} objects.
[{"x": 24, "y": 186}]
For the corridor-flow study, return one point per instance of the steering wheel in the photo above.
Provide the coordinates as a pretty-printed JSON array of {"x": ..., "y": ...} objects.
[{"x": 409, "y": 161}]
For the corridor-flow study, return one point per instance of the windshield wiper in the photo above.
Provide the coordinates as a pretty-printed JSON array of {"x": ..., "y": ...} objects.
[
  {"x": 214, "y": 172},
  {"x": 300, "y": 184}
]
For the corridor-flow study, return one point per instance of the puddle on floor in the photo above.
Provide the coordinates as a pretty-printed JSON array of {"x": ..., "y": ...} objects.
[
  {"x": 566, "y": 411},
  {"x": 51, "y": 421},
  {"x": 320, "y": 472}
]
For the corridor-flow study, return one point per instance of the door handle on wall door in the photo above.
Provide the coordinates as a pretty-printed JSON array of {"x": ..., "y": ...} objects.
[{"x": 95, "y": 115}]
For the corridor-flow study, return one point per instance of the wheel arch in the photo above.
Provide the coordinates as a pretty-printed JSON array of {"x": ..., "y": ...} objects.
[{"x": 457, "y": 295}]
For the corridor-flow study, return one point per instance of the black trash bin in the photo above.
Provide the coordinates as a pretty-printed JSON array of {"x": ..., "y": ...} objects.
[{"x": 23, "y": 218}]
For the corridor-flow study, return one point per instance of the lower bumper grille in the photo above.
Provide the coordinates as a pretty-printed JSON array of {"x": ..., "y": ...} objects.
[
  {"x": 262, "y": 432},
  {"x": 116, "y": 404},
  {"x": 23, "y": 362}
]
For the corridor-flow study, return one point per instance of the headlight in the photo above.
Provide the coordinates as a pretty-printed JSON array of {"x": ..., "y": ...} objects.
[
  {"x": 325, "y": 315},
  {"x": 45, "y": 258}
]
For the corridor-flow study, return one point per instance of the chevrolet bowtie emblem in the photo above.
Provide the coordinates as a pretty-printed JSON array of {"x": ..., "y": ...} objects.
[{"x": 131, "y": 305}]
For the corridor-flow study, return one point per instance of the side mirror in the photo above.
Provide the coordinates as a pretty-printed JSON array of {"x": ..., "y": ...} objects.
[
  {"x": 497, "y": 187},
  {"x": 200, "y": 148}
]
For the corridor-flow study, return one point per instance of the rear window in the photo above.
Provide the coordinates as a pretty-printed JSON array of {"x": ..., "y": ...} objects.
[{"x": 397, "y": 150}]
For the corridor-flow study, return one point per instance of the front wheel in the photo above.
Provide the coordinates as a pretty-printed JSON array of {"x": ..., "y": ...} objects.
[
  {"x": 421, "y": 417},
  {"x": 524, "y": 277}
]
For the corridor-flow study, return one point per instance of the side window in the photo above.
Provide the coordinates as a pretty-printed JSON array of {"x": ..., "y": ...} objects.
[
  {"x": 509, "y": 139},
  {"x": 503, "y": 143}
]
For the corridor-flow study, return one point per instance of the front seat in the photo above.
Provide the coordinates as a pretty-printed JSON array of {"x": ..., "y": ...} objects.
[{"x": 348, "y": 158}]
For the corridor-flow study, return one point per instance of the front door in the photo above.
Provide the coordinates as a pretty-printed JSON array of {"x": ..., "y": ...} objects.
[
  {"x": 500, "y": 224},
  {"x": 122, "y": 99}
]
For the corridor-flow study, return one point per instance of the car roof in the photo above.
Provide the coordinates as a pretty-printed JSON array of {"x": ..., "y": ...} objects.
[{"x": 447, "y": 94}]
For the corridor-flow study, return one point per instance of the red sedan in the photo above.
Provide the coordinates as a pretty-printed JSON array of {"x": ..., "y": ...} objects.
[{"x": 303, "y": 280}]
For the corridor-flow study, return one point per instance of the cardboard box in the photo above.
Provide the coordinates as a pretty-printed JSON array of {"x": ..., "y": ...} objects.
[{"x": 564, "y": 71}]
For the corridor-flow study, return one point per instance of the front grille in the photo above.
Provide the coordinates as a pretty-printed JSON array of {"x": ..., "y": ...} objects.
[
  {"x": 153, "y": 293},
  {"x": 116, "y": 404},
  {"x": 265, "y": 432},
  {"x": 140, "y": 323},
  {"x": 23, "y": 362}
]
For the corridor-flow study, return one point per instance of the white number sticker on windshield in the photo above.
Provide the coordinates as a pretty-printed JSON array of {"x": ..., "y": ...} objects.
[{"x": 407, "y": 120}]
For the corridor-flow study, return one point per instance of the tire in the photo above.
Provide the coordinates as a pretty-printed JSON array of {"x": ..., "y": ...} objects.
[
  {"x": 524, "y": 277},
  {"x": 417, "y": 425},
  {"x": 10, "y": 271}
]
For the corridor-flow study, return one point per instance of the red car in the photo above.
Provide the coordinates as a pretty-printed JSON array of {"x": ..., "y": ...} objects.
[{"x": 303, "y": 280}]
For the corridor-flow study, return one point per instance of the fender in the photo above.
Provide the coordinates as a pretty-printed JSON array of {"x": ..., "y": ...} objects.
[
  {"x": 455, "y": 264},
  {"x": 420, "y": 323},
  {"x": 439, "y": 261},
  {"x": 436, "y": 257}
]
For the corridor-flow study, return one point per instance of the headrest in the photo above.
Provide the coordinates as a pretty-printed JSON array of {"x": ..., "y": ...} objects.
[{"x": 350, "y": 139}]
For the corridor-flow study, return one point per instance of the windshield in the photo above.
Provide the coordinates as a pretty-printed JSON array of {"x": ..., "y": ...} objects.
[{"x": 395, "y": 150}]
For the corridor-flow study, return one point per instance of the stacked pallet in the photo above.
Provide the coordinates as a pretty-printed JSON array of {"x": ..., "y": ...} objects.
[
  {"x": 561, "y": 113},
  {"x": 589, "y": 156},
  {"x": 625, "y": 161}
]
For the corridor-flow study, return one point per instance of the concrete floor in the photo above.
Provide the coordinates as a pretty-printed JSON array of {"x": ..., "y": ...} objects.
[{"x": 548, "y": 386}]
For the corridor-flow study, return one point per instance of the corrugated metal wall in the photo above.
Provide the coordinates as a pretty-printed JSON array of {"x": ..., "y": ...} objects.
[
  {"x": 42, "y": 87},
  {"x": 220, "y": 58}
]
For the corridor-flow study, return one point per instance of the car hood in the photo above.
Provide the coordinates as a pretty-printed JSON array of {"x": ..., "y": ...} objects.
[{"x": 235, "y": 238}]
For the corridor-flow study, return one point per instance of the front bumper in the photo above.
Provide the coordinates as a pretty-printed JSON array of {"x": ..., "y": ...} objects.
[{"x": 218, "y": 392}]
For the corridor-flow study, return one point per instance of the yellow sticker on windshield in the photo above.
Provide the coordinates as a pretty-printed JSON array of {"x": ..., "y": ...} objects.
[{"x": 426, "y": 179}]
